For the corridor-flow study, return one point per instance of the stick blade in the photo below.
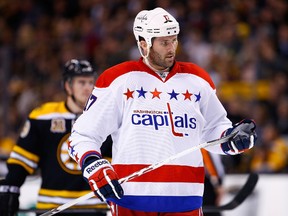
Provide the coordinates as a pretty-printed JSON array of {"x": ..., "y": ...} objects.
[{"x": 244, "y": 192}]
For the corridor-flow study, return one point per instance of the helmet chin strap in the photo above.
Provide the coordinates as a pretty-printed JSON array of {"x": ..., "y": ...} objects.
[
  {"x": 146, "y": 60},
  {"x": 141, "y": 51},
  {"x": 163, "y": 74}
]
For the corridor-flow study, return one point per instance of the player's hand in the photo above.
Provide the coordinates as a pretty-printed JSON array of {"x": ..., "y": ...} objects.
[
  {"x": 243, "y": 140},
  {"x": 9, "y": 199},
  {"x": 103, "y": 180}
]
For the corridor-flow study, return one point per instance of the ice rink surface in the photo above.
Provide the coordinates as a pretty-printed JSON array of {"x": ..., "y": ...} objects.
[{"x": 269, "y": 197}]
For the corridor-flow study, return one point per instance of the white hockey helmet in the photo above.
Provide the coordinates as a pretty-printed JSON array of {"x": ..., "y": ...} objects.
[{"x": 154, "y": 23}]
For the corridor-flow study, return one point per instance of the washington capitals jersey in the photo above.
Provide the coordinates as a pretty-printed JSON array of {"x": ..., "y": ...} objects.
[
  {"x": 151, "y": 119},
  {"x": 43, "y": 145}
]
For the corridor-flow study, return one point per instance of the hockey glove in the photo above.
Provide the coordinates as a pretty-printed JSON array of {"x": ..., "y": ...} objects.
[
  {"x": 9, "y": 199},
  {"x": 103, "y": 180},
  {"x": 243, "y": 140}
]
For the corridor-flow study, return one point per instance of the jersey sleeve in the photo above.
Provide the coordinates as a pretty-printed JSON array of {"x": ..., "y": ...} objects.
[
  {"x": 26, "y": 152},
  {"x": 215, "y": 117},
  {"x": 101, "y": 117},
  {"x": 212, "y": 110},
  {"x": 24, "y": 157}
]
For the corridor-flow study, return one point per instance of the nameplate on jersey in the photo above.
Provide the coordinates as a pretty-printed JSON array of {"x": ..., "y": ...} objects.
[{"x": 58, "y": 125}]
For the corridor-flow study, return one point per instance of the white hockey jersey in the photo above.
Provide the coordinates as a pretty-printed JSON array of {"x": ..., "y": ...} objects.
[{"x": 151, "y": 119}]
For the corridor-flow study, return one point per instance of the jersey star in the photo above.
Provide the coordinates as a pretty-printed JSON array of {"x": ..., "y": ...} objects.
[
  {"x": 72, "y": 150},
  {"x": 68, "y": 143},
  {"x": 173, "y": 94},
  {"x": 155, "y": 93},
  {"x": 198, "y": 97},
  {"x": 187, "y": 95},
  {"x": 141, "y": 93},
  {"x": 129, "y": 94}
]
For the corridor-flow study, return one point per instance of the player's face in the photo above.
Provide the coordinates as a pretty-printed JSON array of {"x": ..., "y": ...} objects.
[
  {"x": 82, "y": 87},
  {"x": 162, "y": 53}
]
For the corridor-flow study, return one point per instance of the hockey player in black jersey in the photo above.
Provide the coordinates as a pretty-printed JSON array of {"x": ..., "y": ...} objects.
[{"x": 42, "y": 145}]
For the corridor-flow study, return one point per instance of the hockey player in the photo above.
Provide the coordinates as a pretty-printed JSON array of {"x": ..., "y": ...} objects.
[
  {"x": 43, "y": 145},
  {"x": 153, "y": 108}
]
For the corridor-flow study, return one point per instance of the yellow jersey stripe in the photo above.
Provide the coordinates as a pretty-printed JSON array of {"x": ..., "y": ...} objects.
[
  {"x": 21, "y": 163},
  {"x": 26, "y": 154},
  {"x": 41, "y": 205}
]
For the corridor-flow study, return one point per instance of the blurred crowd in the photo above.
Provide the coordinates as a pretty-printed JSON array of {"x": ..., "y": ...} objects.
[{"x": 243, "y": 44}]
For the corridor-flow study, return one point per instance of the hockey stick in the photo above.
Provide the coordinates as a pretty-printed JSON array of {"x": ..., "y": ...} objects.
[
  {"x": 240, "y": 197},
  {"x": 143, "y": 171},
  {"x": 244, "y": 192}
]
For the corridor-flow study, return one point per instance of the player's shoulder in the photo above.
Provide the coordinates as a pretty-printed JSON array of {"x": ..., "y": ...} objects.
[
  {"x": 191, "y": 68},
  {"x": 48, "y": 109},
  {"x": 110, "y": 74}
]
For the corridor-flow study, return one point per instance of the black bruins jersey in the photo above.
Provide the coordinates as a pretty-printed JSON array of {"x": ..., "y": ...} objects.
[{"x": 43, "y": 145}]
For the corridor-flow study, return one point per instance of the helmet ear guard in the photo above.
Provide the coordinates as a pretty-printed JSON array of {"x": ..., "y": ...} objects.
[{"x": 154, "y": 23}]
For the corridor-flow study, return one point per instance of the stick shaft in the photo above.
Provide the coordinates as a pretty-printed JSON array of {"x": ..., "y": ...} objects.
[
  {"x": 142, "y": 171},
  {"x": 178, "y": 155},
  {"x": 240, "y": 197}
]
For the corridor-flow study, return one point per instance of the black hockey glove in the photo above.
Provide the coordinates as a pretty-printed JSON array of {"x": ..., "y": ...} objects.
[
  {"x": 9, "y": 199},
  {"x": 243, "y": 140}
]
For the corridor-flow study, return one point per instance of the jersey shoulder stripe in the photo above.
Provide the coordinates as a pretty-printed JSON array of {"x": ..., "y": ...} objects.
[
  {"x": 187, "y": 67},
  {"x": 48, "y": 109},
  {"x": 109, "y": 75}
]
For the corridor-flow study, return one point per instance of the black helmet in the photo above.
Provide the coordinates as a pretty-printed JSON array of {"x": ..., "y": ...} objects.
[{"x": 76, "y": 67}]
